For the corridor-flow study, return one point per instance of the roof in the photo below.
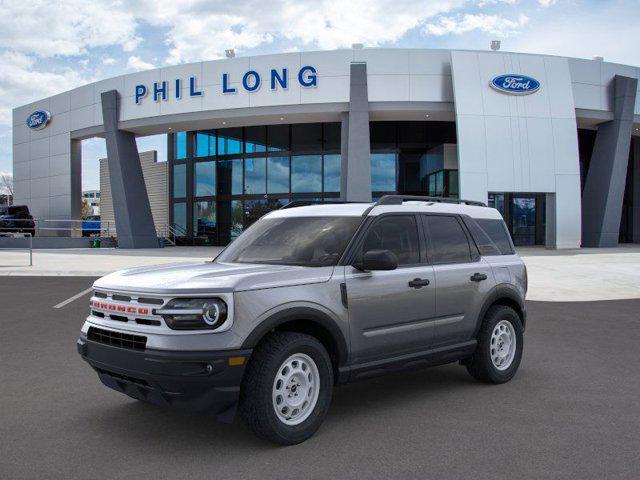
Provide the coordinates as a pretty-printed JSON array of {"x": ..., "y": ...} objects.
[{"x": 358, "y": 209}]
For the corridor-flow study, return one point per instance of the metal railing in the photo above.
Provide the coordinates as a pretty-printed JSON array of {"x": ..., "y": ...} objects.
[
  {"x": 46, "y": 227},
  {"x": 12, "y": 234}
]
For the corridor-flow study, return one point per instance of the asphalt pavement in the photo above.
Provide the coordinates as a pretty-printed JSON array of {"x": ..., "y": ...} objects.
[{"x": 571, "y": 412}]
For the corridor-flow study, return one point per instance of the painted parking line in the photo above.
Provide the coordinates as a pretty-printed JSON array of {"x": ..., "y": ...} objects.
[{"x": 71, "y": 299}]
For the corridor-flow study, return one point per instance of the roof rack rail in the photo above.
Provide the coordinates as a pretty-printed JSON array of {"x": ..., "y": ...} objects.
[
  {"x": 306, "y": 203},
  {"x": 398, "y": 199}
]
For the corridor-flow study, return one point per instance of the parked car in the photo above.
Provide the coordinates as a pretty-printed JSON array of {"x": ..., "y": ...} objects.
[
  {"x": 91, "y": 225},
  {"x": 17, "y": 219},
  {"x": 309, "y": 297}
]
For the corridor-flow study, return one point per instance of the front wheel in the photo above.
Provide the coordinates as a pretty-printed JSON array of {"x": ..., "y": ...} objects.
[
  {"x": 287, "y": 388},
  {"x": 500, "y": 342}
]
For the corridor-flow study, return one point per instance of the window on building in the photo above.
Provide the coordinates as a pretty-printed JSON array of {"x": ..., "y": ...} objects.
[
  {"x": 180, "y": 218},
  {"x": 306, "y": 173},
  {"x": 332, "y": 173},
  {"x": 255, "y": 176},
  {"x": 230, "y": 176},
  {"x": 204, "y": 219},
  {"x": 255, "y": 139},
  {"x": 278, "y": 138},
  {"x": 204, "y": 179},
  {"x": 448, "y": 241},
  {"x": 396, "y": 233},
  {"x": 180, "y": 180},
  {"x": 278, "y": 175},
  {"x": 229, "y": 141},
  {"x": 181, "y": 145},
  {"x": 205, "y": 144},
  {"x": 306, "y": 137},
  {"x": 383, "y": 172}
]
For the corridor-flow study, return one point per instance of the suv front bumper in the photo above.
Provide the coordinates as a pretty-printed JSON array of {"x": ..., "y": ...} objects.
[{"x": 196, "y": 381}]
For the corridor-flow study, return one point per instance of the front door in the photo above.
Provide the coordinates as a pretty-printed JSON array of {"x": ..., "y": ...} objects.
[{"x": 390, "y": 312}]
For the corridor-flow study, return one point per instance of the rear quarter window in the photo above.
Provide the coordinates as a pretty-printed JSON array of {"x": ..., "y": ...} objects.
[{"x": 497, "y": 232}]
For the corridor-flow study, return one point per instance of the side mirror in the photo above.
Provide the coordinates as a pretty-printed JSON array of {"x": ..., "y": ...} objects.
[{"x": 378, "y": 260}]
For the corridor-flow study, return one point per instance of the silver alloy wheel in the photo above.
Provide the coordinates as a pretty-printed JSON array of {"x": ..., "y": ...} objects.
[
  {"x": 503, "y": 345},
  {"x": 296, "y": 389}
]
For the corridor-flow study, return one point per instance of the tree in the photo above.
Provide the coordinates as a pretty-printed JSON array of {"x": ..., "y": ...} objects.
[
  {"x": 6, "y": 189},
  {"x": 86, "y": 209}
]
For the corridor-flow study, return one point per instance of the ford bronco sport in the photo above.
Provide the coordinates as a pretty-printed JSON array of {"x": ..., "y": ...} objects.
[{"x": 309, "y": 297}]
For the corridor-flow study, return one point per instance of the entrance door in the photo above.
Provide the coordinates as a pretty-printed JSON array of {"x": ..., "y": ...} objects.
[{"x": 524, "y": 214}]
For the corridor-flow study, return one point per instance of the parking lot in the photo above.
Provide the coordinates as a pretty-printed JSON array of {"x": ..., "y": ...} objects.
[{"x": 572, "y": 411}]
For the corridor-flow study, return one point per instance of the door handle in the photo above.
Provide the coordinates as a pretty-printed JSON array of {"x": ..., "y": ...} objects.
[
  {"x": 418, "y": 283},
  {"x": 478, "y": 277}
]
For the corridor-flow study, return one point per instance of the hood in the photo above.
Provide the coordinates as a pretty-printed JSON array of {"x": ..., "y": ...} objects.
[{"x": 210, "y": 277}]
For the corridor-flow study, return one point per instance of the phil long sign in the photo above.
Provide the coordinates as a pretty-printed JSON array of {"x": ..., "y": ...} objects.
[{"x": 515, "y": 84}]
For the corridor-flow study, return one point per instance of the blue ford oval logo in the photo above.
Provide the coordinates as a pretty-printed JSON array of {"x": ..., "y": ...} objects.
[
  {"x": 515, "y": 84},
  {"x": 38, "y": 119}
]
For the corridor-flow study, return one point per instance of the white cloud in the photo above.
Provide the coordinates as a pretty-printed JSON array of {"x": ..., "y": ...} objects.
[
  {"x": 547, "y": 3},
  {"x": 491, "y": 24},
  {"x": 17, "y": 85},
  {"x": 46, "y": 29},
  {"x": 136, "y": 63},
  {"x": 323, "y": 24},
  {"x": 109, "y": 60}
]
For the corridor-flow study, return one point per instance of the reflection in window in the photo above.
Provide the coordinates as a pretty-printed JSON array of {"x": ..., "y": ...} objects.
[
  {"x": 255, "y": 139},
  {"x": 229, "y": 141},
  {"x": 383, "y": 172},
  {"x": 204, "y": 181},
  {"x": 332, "y": 173},
  {"x": 237, "y": 215},
  {"x": 180, "y": 218},
  {"x": 180, "y": 180},
  {"x": 278, "y": 175},
  {"x": 254, "y": 209},
  {"x": 230, "y": 176},
  {"x": 332, "y": 133},
  {"x": 306, "y": 173},
  {"x": 205, "y": 144},
  {"x": 204, "y": 219},
  {"x": 255, "y": 175},
  {"x": 181, "y": 145}
]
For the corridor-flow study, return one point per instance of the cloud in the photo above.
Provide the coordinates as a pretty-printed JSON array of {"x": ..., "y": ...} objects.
[
  {"x": 323, "y": 24},
  {"x": 47, "y": 29},
  {"x": 491, "y": 24},
  {"x": 547, "y": 3},
  {"x": 21, "y": 82},
  {"x": 136, "y": 63}
]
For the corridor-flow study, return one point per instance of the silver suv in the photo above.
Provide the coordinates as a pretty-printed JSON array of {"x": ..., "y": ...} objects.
[{"x": 309, "y": 297}]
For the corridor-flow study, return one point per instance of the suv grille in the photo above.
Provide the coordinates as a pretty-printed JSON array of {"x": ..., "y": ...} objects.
[{"x": 117, "y": 339}]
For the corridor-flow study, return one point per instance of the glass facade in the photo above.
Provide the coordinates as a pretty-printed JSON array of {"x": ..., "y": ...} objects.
[{"x": 224, "y": 180}]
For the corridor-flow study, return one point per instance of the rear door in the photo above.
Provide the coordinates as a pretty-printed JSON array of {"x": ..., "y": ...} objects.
[
  {"x": 390, "y": 312},
  {"x": 463, "y": 279}
]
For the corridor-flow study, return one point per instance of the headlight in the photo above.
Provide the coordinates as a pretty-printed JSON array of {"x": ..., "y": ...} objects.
[{"x": 194, "y": 313}]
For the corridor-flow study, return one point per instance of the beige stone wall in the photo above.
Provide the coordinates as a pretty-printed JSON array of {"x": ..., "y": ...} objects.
[{"x": 156, "y": 180}]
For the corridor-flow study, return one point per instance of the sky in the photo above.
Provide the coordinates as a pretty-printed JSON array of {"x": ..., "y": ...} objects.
[{"x": 47, "y": 47}]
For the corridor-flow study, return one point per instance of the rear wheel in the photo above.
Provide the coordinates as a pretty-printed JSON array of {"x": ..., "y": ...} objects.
[
  {"x": 287, "y": 388},
  {"x": 500, "y": 342}
]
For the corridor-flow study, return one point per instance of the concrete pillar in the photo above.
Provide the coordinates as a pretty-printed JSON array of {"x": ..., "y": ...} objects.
[
  {"x": 550, "y": 225},
  {"x": 604, "y": 188},
  {"x": 355, "y": 177},
  {"x": 134, "y": 222},
  {"x": 636, "y": 189}
]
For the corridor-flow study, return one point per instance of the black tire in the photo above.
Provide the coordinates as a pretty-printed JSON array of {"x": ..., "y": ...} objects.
[
  {"x": 480, "y": 366},
  {"x": 256, "y": 406}
]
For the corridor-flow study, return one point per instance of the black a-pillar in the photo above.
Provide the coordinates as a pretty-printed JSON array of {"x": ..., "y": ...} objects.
[
  {"x": 131, "y": 208},
  {"x": 605, "y": 183}
]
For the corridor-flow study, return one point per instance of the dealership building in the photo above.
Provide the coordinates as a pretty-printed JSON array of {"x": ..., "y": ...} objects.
[{"x": 552, "y": 142}]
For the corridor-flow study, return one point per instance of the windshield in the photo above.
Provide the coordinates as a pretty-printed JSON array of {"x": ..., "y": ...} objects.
[{"x": 303, "y": 241}]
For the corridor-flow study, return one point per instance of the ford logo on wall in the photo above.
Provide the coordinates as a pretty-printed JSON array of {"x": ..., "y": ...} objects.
[
  {"x": 38, "y": 119},
  {"x": 515, "y": 84}
]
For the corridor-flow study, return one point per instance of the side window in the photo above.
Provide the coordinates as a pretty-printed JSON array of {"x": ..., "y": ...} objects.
[
  {"x": 397, "y": 233},
  {"x": 486, "y": 246},
  {"x": 496, "y": 230},
  {"x": 449, "y": 243}
]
